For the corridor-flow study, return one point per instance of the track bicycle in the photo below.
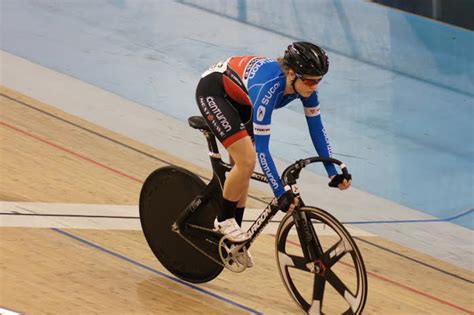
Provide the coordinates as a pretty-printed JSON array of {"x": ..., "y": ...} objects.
[{"x": 177, "y": 211}]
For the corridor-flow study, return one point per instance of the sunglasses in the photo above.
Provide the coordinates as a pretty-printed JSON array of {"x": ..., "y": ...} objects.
[{"x": 308, "y": 82}]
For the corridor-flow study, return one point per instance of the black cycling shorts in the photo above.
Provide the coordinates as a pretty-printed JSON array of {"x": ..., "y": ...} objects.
[{"x": 228, "y": 120}]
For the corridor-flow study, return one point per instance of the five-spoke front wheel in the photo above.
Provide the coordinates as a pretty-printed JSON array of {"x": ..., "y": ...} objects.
[{"x": 338, "y": 277}]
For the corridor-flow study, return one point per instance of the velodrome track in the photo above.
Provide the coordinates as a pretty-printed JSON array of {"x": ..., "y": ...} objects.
[{"x": 71, "y": 241}]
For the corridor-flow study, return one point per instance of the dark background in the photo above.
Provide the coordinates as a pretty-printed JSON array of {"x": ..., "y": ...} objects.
[{"x": 455, "y": 12}]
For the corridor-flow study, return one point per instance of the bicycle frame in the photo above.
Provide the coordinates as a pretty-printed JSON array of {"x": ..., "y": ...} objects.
[
  {"x": 310, "y": 243},
  {"x": 214, "y": 188}
]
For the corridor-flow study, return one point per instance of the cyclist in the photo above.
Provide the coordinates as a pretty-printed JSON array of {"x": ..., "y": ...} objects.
[{"x": 237, "y": 98}]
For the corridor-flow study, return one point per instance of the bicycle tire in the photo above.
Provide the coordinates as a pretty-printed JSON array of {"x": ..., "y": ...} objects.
[
  {"x": 356, "y": 301},
  {"x": 164, "y": 195}
]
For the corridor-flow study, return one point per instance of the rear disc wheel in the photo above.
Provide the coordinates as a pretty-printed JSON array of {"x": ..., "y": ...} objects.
[{"x": 164, "y": 195}]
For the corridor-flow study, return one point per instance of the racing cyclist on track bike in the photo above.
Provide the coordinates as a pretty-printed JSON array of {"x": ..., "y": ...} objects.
[{"x": 237, "y": 98}]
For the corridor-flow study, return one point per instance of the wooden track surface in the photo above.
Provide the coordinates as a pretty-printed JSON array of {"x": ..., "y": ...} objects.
[{"x": 50, "y": 156}]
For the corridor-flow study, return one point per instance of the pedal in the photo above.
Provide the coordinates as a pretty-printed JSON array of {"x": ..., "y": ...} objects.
[{"x": 230, "y": 252}]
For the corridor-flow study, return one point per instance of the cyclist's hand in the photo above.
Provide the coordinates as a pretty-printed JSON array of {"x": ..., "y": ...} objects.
[
  {"x": 340, "y": 181},
  {"x": 288, "y": 201}
]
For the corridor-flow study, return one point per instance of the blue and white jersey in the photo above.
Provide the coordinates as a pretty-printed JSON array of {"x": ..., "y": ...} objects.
[{"x": 266, "y": 85}]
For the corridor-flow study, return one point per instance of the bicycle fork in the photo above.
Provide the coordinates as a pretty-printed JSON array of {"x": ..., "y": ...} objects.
[{"x": 309, "y": 241}]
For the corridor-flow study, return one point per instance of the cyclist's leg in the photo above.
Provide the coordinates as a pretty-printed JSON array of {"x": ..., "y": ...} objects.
[
  {"x": 240, "y": 207},
  {"x": 245, "y": 151},
  {"x": 224, "y": 121},
  {"x": 246, "y": 116},
  {"x": 239, "y": 210},
  {"x": 238, "y": 179}
]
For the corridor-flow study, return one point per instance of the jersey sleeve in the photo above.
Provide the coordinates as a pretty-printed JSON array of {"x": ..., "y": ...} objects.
[
  {"x": 264, "y": 104},
  {"x": 317, "y": 131}
]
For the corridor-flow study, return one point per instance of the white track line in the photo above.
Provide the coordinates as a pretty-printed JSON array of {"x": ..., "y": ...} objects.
[
  {"x": 7, "y": 312},
  {"x": 39, "y": 216}
]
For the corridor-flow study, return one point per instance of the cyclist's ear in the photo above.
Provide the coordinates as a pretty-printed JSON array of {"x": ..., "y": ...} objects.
[{"x": 291, "y": 74}]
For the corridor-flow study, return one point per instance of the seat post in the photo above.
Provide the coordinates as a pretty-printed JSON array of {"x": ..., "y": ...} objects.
[{"x": 212, "y": 144}]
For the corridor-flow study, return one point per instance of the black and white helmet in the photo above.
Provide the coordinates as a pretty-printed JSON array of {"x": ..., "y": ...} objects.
[{"x": 307, "y": 59}]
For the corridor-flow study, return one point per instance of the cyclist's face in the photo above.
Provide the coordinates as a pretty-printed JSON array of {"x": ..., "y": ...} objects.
[{"x": 306, "y": 85}]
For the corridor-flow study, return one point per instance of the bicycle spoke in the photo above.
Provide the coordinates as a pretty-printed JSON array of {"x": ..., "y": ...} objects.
[
  {"x": 335, "y": 253},
  {"x": 293, "y": 261},
  {"x": 318, "y": 294},
  {"x": 341, "y": 288}
]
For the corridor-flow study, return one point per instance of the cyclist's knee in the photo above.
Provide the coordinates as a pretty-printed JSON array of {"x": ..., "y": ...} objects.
[
  {"x": 247, "y": 164},
  {"x": 245, "y": 161},
  {"x": 243, "y": 155}
]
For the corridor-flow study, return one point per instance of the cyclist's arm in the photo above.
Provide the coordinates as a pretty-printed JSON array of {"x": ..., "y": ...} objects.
[
  {"x": 317, "y": 131},
  {"x": 261, "y": 126}
]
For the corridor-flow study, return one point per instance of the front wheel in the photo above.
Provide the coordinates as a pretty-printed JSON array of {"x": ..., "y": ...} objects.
[{"x": 341, "y": 266}]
